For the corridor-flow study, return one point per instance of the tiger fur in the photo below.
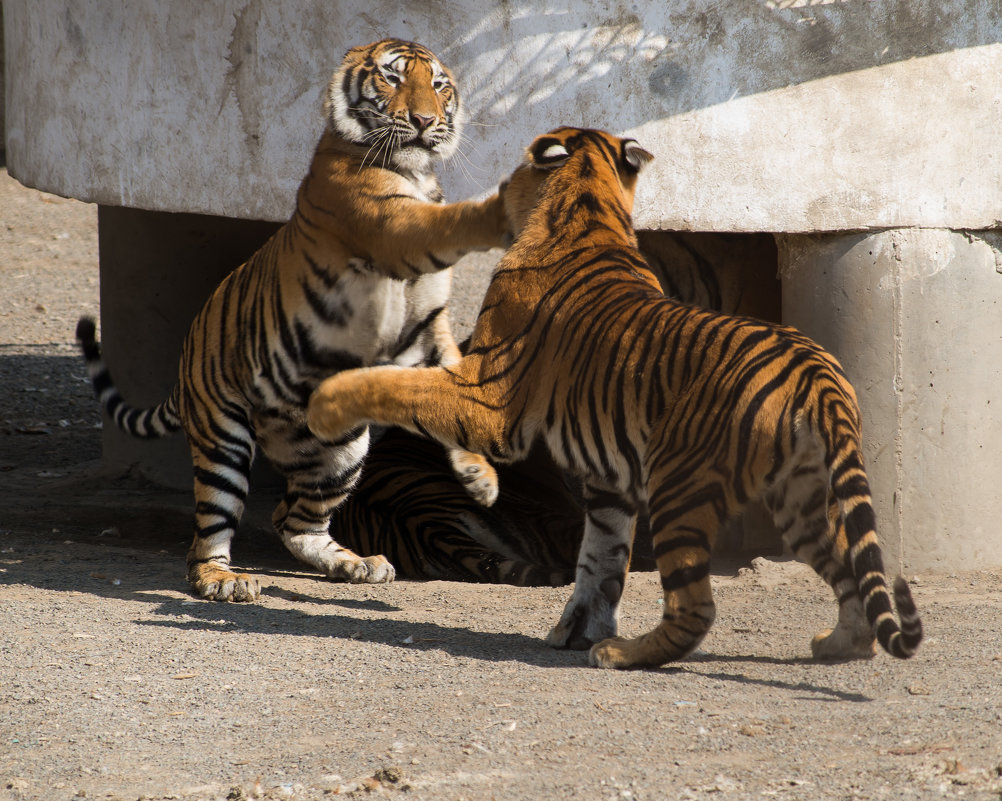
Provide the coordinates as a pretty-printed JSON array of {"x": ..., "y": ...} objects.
[
  {"x": 358, "y": 276},
  {"x": 408, "y": 507},
  {"x": 692, "y": 412}
]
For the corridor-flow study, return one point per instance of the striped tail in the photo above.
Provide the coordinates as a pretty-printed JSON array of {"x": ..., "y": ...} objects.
[
  {"x": 852, "y": 492},
  {"x": 153, "y": 423}
]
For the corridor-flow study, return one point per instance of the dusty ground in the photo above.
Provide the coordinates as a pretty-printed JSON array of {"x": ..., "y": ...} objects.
[{"x": 116, "y": 683}]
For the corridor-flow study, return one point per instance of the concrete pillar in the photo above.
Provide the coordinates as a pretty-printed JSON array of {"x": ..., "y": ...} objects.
[
  {"x": 157, "y": 269},
  {"x": 915, "y": 317}
]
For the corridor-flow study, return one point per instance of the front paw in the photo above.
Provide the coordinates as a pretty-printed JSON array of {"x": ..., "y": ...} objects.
[
  {"x": 477, "y": 475},
  {"x": 325, "y": 415},
  {"x": 362, "y": 570},
  {"x": 585, "y": 621}
]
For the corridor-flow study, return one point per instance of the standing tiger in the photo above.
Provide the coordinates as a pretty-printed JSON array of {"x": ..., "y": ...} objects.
[
  {"x": 652, "y": 401},
  {"x": 408, "y": 506},
  {"x": 358, "y": 276}
]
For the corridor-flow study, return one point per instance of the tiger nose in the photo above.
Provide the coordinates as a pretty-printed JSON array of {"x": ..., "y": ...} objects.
[{"x": 421, "y": 121}]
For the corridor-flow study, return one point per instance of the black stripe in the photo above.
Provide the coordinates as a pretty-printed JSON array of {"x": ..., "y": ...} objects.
[{"x": 684, "y": 577}]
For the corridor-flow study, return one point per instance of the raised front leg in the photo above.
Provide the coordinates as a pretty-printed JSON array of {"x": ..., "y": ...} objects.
[
  {"x": 418, "y": 237},
  {"x": 428, "y": 401},
  {"x": 476, "y": 475},
  {"x": 592, "y": 613}
]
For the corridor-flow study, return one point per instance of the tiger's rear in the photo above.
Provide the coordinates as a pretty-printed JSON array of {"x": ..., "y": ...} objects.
[{"x": 650, "y": 401}]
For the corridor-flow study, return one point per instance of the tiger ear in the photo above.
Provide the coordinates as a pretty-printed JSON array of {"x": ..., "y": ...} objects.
[
  {"x": 547, "y": 152},
  {"x": 635, "y": 155}
]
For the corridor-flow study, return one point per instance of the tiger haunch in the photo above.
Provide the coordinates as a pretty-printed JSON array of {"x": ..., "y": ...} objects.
[
  {"x": 359, "y": 275},
  {"x": 649, "y": 400}
]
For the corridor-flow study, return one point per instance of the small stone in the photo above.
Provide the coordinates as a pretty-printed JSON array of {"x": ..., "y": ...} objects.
[
  {"x": 752, "y": 730},
  {"x": 389, "y": 775}
]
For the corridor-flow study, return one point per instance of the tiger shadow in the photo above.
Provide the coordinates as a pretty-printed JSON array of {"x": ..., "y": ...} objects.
[
  {"x": 125, "y": 574},
  {"x": 458, "y": 641},
  {"x": 415, "y": 636}
]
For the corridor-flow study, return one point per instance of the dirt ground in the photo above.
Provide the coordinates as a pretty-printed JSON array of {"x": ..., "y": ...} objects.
[{"x": 115, "y": 683}]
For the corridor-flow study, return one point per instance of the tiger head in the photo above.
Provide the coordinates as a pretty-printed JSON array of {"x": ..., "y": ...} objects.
[
  {"x": 397, "y": 99},
  {"x": 550, "y": 153}
]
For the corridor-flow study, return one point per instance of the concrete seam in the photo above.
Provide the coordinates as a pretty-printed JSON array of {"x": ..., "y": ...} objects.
[{"x": 898, "y": 388}]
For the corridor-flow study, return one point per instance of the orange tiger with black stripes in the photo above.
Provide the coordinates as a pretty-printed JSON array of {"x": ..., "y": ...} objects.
[
  {"x": 358, "y": 276},
  {"x": 651, "y": 401}
]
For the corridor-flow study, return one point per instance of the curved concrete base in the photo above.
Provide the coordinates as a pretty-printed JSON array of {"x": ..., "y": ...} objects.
[
  {"x": 157, "y": 269},
  {"x": 915, "y": 316}
]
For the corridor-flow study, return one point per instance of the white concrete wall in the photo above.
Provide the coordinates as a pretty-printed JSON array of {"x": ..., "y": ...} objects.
[
  {"x": 765, "y": 115},
  {"x": 915, "y": 316}
]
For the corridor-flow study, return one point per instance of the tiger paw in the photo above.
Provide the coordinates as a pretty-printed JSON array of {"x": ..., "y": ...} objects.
[
  {"x": 362, "y": 570},
  {"x": 840, "y": 644},
  {"x": 614, "y": 652},
  {"x": 214, "y": 582},
  {"x": 325, "y": 415},
  {"x": 476, "y": 474},
  {"x": 582, "y": 624}
]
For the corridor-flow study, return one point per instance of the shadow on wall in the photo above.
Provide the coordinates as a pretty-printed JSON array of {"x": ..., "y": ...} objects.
[
  {"x": 213, "y": 90},
  {"x": 689, "y": 56}
]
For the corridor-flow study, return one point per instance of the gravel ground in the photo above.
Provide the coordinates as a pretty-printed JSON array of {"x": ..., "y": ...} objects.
[{"x": 116, "y": 684}]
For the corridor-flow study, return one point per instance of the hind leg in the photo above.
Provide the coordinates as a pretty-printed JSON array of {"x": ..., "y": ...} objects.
[
  {"x": 808, "y": 521},
  {"x": 683, "y": 540},
  {"x": 319, "y": 476},
  {"x": 221, "y": 480},
  {"x": 592, "y": 613}
]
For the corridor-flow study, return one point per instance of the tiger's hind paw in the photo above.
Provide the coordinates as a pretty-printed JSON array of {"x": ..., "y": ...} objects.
[
  {"x": 647, "y": 651},
  {"x": 367, "y": 570},
  {"x": 214, "y": 582},
  {"x": 840, "y": 644},
  {"x": 611, "y": 653},
  {"x": 476, "y": 474}
]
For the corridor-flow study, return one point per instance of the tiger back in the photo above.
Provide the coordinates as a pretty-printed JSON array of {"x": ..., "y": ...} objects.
[
  {"x": 359, "y": 275},
  {"x": 650, "y": 401}
]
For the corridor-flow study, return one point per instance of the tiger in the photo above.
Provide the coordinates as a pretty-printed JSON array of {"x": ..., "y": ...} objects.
[
  {"x": 651, "y": 401},
  {"x": 359, "y": 275},
  {"x": 408, "y": 506}
]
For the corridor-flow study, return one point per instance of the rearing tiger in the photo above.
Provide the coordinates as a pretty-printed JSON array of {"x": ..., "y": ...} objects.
[
  {"x": 649, "y": 400},
  {"x": 358, "y": 276}
]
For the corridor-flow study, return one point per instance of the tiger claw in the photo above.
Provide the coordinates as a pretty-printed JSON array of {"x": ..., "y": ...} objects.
[
  {"x": 214, "y": 583},
  {"x": 367, "y": 570}
]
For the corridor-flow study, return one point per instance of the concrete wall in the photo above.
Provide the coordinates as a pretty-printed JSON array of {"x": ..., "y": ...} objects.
[
  {"x": 765, "y": 115},
  {"x": 914, "y": 316},
  {"x": 3, "y": 95}
]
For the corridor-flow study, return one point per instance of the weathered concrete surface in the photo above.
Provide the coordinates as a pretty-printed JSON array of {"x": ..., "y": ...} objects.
[
  {"x": 156, "y": 272},
  {"x": 765, "y": 116},
  {"x": 915, "y": 316}
]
